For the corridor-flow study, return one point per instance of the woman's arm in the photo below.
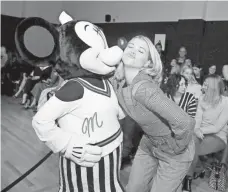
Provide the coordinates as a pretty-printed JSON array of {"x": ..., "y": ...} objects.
[
  {"x": 198, "y": 119},
  {"x": 151, "y": 96}
]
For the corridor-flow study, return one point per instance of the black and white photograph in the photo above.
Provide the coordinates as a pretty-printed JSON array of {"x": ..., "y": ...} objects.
[{"x": 114, "y": 96}]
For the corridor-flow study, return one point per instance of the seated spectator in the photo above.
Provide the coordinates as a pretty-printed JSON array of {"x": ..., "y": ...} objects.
[
  {"x": 13, "y": 72},
  {"x": 46, "y": 82},
  {"x": 212, "y": 69},
  {"x": 173, "y": 62},
  {"x": 176, "y": 90},
  {"x": 174, "y": 67},
  {"x": 4, "y": 56},
  {"x": 48, "y": 92},
  {"x": 165, "y": 77},
  {"x": 9, "y": 73},
  {"x": 188, "y": 62},
  {"x": 158, "y": 46},
  {"x": 13, "y": 68},
  {"x": 34, "y": 78},
  {"x": 193, "y": 86},
  {"x": 211, "y": 122},
  {"x": 198, "y": 72},
  {"x": 5, "y": 82},
  {"x": 25, "y": 70},
  {"x": 182, "y": 55},
  {"x": 225, "y": 78}
]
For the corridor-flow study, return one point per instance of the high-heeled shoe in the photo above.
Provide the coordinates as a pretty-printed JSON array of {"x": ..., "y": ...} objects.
[{"x": 187, "y": 184}]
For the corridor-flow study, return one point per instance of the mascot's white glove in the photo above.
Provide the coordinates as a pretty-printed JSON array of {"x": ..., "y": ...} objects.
[
  {"x": 82, "y": 154},
  {"x": 102, "y": 61}
]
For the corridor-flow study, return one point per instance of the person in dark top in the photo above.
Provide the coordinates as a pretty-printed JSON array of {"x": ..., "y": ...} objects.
[
  {"x": 198, "y": 72},
  {"x": 174, "y": 67},
  {"x": 225, "y": 78},
  {"x": 158, "y": 46},
  {"x": 11, "y": 73},
  {"x": 25, "y": 70},
  {"x": 37, "y": 75},
  {"x": 46, "y": 82},
  {"x": 4, "y": 56},
  {"x": 182, "y": 55},
  {"x": 212, "y": 69},
  {"x": 224, "y": 159},
  {"x": 6, "y": 84}
]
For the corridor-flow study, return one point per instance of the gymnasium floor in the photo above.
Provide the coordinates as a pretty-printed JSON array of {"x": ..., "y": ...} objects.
[{"x": 21, "y": 149}]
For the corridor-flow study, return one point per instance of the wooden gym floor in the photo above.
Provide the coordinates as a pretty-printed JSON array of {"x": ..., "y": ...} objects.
[{"x": 21, "y": 149}]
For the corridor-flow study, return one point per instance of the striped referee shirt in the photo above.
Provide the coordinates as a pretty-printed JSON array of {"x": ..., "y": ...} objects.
[{"x": 188, "y": 103}]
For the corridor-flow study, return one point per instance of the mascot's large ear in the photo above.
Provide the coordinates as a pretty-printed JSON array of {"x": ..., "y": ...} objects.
[{"x": 37, "y": 40}]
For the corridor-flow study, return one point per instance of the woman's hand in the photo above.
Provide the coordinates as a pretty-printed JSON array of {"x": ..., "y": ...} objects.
[{"x": 199, "y": 133}]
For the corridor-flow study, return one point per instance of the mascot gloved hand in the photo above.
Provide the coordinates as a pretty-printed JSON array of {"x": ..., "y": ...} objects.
[{"x": 85, "y": 155}]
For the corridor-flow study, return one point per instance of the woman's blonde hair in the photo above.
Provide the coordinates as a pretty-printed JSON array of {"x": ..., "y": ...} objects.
[
  {"x": 155, "y": 69},
  {"x": 192, "y": 79},
  {"x": 214, "y": 90}
]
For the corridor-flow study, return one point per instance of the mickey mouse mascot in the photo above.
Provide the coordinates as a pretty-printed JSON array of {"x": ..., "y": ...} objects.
[{"x": 81, "y": 121}]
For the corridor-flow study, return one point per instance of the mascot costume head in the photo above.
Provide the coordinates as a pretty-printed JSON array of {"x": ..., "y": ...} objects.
[
  {"x": 87, "y": 133},
  {"x": 79, "y": 47}
]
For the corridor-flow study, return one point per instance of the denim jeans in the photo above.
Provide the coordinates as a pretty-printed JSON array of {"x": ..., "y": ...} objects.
[{"x": 154, "y": 170}]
